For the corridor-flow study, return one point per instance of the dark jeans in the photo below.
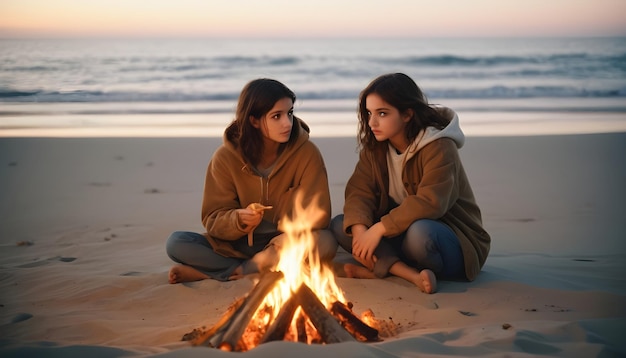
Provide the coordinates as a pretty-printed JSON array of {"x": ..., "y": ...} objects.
[{"x": 427, "y": 244}]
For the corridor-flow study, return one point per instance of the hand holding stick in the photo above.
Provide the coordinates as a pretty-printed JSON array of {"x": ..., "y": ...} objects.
[{"x": 257, "y": 208}]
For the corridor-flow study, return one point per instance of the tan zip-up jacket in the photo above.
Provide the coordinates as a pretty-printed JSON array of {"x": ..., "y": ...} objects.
[
  {"x": 231, "y": 184},
  {"x": 437, "y": 187}
]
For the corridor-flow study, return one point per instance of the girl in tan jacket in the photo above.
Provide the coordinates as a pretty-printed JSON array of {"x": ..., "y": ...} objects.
[
  {"x": 409, "y": 209},
  {"x": 252, "y": 182}
]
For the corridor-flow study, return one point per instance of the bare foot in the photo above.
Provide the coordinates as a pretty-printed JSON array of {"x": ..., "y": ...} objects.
[
  {"x": 183, "y": 273},
  {"x": 356, "y": 271},
  {"x": 426, "y": 281}
]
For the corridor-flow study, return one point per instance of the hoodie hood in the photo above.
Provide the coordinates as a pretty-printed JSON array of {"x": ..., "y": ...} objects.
[
  {"x": 425, "y": 136},
  {"x": 452, "y": 130}
]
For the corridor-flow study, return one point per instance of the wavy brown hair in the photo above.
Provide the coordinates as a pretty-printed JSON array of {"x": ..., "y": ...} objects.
[
  {"x": 257, "y": 98},
  {"x": 400, "y": 91}
]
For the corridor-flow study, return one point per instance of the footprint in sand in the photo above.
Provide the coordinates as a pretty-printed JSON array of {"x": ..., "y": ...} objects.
[
  {"x": 45, "y": 262},
  {"x": 21, "y": 317},
  {"x": 467, "y": 313}
]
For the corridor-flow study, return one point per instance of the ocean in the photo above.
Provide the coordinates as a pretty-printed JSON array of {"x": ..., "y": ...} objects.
[{"x": 189, "y": 87}]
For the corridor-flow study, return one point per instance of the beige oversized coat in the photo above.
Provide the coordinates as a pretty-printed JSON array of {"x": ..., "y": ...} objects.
[
  {"x": 438, "y": 189},
  {"x": 231, "y": 184}
]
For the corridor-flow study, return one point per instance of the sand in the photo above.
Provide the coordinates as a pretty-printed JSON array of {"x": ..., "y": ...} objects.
[{"x": 83, "y": 269}]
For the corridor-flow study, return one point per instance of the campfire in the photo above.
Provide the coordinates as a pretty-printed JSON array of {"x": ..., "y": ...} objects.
[{"x": 298, "y": 301}]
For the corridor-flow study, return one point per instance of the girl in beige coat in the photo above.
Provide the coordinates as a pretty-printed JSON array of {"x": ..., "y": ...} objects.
[
  {"x": 409, "y": 209},
  {"x": 252, "y": 182}
]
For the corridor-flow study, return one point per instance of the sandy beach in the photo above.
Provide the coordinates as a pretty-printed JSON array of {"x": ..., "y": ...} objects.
[{"x": 83, "y": 269}]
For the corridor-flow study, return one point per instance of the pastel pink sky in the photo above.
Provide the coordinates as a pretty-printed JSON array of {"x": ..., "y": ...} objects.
[{"x": 314, "y": 18}]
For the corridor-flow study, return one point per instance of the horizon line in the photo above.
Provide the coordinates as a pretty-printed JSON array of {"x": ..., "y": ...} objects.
[{"x": 301, "y": 37}]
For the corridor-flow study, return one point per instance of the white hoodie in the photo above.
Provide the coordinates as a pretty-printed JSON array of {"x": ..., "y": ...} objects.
[{"x": 396, "y": 162}]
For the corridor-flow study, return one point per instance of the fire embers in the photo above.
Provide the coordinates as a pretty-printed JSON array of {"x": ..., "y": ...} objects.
[{"x": 302, "y": 318}]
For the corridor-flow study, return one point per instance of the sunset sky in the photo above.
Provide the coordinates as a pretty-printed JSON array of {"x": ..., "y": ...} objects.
[{"x": 315, "y": 18}]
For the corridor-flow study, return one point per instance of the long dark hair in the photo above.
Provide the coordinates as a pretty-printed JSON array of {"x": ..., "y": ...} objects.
[
  {"x": 257, "y": 98},
  {"x": 400, "y": 91}
]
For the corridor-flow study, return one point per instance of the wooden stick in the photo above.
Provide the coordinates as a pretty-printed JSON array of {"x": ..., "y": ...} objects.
[
  {"x": 281, "y": 324},
  {"x": 353, "y": 324},
  {"x": 301, "y": 329},
  {"x": 258, "y": 208},
  {"x": 325, "y": 323},
  {"x": 240, "y": 321}
]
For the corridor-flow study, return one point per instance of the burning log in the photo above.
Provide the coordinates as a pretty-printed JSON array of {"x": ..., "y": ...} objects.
[
  {"x": 227, "y": 335},
  {"x": 329, "y": 329},
  {"x": 339, "y": 324},
  {"x": 301, "y": 329},
  {"x": 325, "y": 323},
  {"x": 253, "y": 301},
  {"x": 353, "y": 324},
  {"x": 280, "y": 326}
]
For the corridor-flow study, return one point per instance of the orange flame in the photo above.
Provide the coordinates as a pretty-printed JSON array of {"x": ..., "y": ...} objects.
[{"x": 300, "y": 262}]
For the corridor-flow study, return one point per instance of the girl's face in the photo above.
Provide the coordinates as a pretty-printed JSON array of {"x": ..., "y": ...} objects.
[
  {"x": 277, "y": 123},
  {"x": 386, "y": 122}
]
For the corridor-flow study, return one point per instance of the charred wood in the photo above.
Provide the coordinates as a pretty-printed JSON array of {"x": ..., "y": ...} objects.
[
  {"x": 353, "y": 324},
  {"x": 325, "y": 323},
  {"x": 282, "y": 322},
  {"x": 240, "y": 321}
]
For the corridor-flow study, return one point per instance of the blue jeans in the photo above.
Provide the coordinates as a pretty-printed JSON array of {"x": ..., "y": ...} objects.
[
  {"x": 193, "y": 249},
  {"x": 427, "y": 244}
]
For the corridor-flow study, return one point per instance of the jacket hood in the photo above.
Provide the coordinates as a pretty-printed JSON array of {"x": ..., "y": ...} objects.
[
  {"x": 430, "y": 134},
  {"x": 452, "y": 130}
]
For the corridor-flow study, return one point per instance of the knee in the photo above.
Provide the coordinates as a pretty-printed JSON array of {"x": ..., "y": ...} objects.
[
  {"x": 173, "y": 242},
  {"x": 419, "y": 231},
  {"x": 419, "y": 240},
  {"x": 327, "y": 245},
  {"x": 336, "y": 225}
]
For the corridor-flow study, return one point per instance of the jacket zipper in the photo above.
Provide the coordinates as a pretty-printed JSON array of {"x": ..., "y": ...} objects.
[
  {"x": 267, "y": 191},
  {"x": 265, "y": 188}
]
